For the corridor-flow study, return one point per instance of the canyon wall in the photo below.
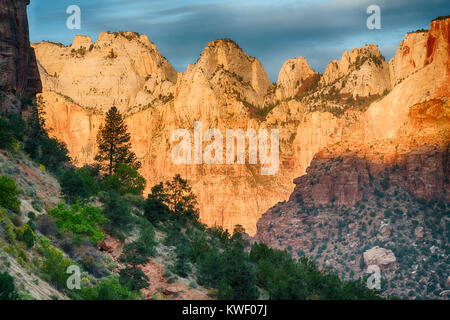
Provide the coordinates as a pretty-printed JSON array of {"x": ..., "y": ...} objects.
[
  {"x": 227, "y": 89},
  {"x": 18, "y": 68},
  {"x": 383, "y": 185}
]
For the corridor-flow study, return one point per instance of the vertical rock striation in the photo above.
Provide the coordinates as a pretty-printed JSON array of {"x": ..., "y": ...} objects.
[{"x": 18, "y": 67}]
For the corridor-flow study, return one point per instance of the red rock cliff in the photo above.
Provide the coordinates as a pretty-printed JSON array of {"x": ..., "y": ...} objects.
[{"x": 18, "y": 68}]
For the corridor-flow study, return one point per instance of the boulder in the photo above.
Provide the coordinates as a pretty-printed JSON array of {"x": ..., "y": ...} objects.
[{"x": 383, "y": 258}]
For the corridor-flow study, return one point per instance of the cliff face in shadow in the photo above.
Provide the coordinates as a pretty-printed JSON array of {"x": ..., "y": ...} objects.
[{"x": 19, "y": 74}]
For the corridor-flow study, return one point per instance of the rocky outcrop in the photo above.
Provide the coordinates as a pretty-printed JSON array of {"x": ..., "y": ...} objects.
[
  {"x": 376, "y": 179},
  {"x": 111, "y": 245},
  {"x": 360, "y": 72},
  {"x": 341, "y": 173},
  {"x": 121, "y": 69},
  {"x": 383, "y": 258},
  {"x": 18, "y": 68},
  {"x": 409, "y": 57},
  {"x": 294, "y": 75},
  {"x": 419, "y": 49},
  {"x": 422, "y": 72}
]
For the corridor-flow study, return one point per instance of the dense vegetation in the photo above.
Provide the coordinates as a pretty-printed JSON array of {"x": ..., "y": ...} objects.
[{"x": 47, "y": 244}]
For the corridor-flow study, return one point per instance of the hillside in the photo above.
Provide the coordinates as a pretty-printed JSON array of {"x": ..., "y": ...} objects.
[{"x": 128, "y": 247}]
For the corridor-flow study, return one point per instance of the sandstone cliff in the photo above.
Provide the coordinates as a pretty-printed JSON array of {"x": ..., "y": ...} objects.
[
  {"x": 360, "y": 72},
  {"x": 384, "y": 181},
  {"x": 391, "y": 193},
  {"x": 219, "y": 90},
  {"x": 224, "y": 89},
  {"x": 109, "y": 72},
  {"x": 422, "y": 73},
  {"x": 18, "y": 68},
  {"x": 293, "y": 75}
]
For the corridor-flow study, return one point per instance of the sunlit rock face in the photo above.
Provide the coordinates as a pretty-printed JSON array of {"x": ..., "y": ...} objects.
[
  {"x": 360, "y": 72},
  {"x": 226, "y": 89}
]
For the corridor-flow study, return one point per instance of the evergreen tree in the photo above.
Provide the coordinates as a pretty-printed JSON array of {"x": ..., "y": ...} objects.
[
  {"x": 50, "y": 152},
  {"x": 8, "y": 194},
  {"x": 114, "y": 145},
  {"x": 7, "y": 288},
  {"x": 118, "y": 211},
  {"x": 180, "y": 198},
  {"x": 126, "y": 180},
  {"x": 173, "y": 197},
  {"x": 134, "y": 254}
]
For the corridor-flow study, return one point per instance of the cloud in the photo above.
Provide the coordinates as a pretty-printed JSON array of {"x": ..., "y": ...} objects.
[{"x": 270, "y": 31}]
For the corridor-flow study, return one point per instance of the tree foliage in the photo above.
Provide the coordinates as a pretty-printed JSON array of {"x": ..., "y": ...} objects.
[
  {"x": 117, "y": 210},
  {"x": 8, "y": 194},
  {"x": 81, "y": 220},
  {"x": 7, "y": 287},
  {"x": 54, "y": 265},
  {"x": 114, "y": 145},
  {"x": 108, "y": 288},
  {"x": 48, "y": 151},
  {"x": 79, "y": 183},
  {"x": 172, "y": 199},
  {"x": 126, "y": 180}
]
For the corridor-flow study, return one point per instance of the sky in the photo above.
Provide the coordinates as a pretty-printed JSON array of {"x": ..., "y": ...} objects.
[{"x": 272, "y": 31}]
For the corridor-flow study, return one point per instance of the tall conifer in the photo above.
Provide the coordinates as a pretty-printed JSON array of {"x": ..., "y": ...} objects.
[{"x": 114, "y": 145}]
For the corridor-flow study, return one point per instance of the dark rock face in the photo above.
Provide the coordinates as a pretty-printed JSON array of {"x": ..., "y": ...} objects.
[{"x": 18, "y": 67}]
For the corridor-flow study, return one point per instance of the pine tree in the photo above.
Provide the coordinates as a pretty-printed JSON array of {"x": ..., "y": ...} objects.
[{"x": 114, "y": 145}]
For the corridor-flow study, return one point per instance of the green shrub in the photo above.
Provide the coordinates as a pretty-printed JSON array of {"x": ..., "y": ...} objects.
[
  {"x": 117, "y": 210},
  {"x": 7, "y": 287},
  {"x": 6, "y": 135},
  {"x": 108, "y": 289},
  {"x": 54, "y": 265},
  {"x": 8, "y": 194},
  {"x": 28, "y": 236},
  {"x": 80, "y": 220},
  {"x": 79, "y": 183},
  {"x": 126, "y": 180}
]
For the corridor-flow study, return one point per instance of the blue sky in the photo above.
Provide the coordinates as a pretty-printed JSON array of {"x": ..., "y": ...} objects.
[{"x": 272, "y": 31}]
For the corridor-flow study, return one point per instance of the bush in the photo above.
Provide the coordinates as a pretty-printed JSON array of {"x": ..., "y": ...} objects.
[
  {"x": 117, "y": 210},
  {"x": 81, "y": 220},
  {"x": 126, "y": 180},
  {"x": 54, "y": 265},
  {"x": 7, "y": 287},
  {"x": 28, "y": 236},
  {"x": 8, "y": 194},
  {"x": 79, "y": 183},
  {"x": 6, "y": 135},
  {"x": 72, "y": 186},
  {"x": 108, "y": 289},
  {"x": 91, "y": 260}
]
